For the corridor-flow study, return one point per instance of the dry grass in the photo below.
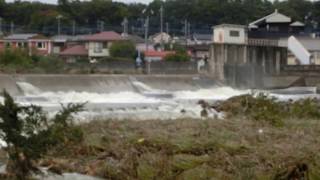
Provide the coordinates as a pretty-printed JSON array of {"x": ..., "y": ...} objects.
[{"x": 195, "y": 149}]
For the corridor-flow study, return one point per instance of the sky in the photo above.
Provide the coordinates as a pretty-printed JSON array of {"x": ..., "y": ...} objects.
[{"x": 55, "y": 1}]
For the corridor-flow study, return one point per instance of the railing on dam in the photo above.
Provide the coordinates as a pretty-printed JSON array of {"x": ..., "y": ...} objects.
[{"x": 263, "y": 42}]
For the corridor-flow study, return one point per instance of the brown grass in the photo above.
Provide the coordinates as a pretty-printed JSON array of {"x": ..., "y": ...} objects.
[{"x": 194, "y": 149}]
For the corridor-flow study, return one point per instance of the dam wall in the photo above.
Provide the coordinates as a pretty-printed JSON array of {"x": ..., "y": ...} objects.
[{"x": 103, "y": 83}]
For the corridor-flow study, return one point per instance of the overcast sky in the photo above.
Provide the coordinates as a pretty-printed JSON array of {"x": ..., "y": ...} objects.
[{"x": 126, "y": 1}]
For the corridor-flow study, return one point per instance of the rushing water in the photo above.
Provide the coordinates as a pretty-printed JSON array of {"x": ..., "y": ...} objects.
[{"x": 144, "y": 103}]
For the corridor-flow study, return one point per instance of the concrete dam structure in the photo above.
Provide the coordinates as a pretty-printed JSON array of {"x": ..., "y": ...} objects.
[{"x": 103, "y": 83}]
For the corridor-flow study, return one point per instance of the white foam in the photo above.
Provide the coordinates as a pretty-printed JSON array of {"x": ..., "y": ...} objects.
[
  {"x": 28, "y": 89},
  {"x": 218, "y": 93},
  {"x": 81, "y": 97}
]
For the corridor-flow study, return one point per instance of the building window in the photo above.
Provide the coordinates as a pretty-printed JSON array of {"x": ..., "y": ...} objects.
[
  {"x": 41, "y": 45},
  {"x": 105, "y": 45},
  {"x": 21, "y": 45},
  {"x": 8, "y": 44},
  {"x": 234, "y": 33},
  {"x": 98, "y": 47}
]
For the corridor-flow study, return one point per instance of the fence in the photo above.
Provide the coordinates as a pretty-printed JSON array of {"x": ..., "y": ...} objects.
[{"x": 129, "y": 67}]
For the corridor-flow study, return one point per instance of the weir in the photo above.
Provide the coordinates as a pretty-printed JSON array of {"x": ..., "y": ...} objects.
[{"x": 103, "y": 83}]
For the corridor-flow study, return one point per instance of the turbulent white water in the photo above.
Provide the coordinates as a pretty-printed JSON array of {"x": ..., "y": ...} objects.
[
  {"x": 218, "y": 93},
  {"x": 144, "y": 104}
]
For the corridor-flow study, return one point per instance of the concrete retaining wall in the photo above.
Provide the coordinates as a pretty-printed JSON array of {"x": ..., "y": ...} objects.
[{"x": 165, "y": 67}]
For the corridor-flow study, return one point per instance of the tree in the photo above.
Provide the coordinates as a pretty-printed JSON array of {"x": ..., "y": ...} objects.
[
  {"x": 123, "y": 49},
  {"x": 29, "y": 134}
]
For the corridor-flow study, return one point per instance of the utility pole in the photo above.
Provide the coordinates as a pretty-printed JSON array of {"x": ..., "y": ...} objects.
[
  {"x": 161, "y": 25},
  {"x": 73, "y": 27},
  {"x": 59, "y": 17},
  {"x": 125, "y": 27},
  {"x": 189, "y": 30},
  {"x": 146, "y": 27},
  {"x": 1, "y": 26},
  {"x": 101, "y": 26},
  {"x": 146, "y": 32},
  {"x": 167, "y": 28},
  {"x": 186, "y": 31},
  {"x": 98, "y": 25},
  {"x": 11, "y": 27}
]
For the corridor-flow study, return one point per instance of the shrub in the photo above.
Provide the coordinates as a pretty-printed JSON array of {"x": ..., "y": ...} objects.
[
  {"x": 305, "y": 108},
  {"x": 29, "y": 134},
  {"x": 178, "y": 57},
  {"x": 260, "y": 108},
  {"x": 124, "y": 49},
  {"x": 17, "y": 57},
  {"x": 49, "y": 64}
]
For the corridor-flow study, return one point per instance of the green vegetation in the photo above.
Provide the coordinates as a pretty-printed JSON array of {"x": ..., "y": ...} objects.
[
  {"x": 177, "y": 57},
  {"x": 267, "y": 109},
  {"x": 180, "y": 55},
  {"x": 19, "y": 61},
  {"x": 39, "y": 16},
  {"x": 123, "y": 49},
  {"x": 29, "y": 134}
]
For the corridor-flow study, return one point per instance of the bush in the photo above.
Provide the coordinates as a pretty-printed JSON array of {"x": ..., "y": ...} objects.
[
  {"x": 178, "y": 57},
  {"x": 17, "y": 57},
  {"x": 50, "y": 64},
  {"x": 264, "y": 108},
  {"x": 123, "y": 49},
  {"x": 260, "y": 108},
  {"x": 29, "y": 134}
]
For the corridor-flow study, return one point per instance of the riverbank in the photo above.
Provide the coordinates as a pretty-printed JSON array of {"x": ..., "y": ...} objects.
[{"x": 233, "y": 148}]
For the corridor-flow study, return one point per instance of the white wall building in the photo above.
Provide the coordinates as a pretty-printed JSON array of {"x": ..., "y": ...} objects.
[{"x": 230, "y": 34}]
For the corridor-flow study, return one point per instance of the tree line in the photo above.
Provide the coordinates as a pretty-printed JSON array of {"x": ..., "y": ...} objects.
[{"x": 200, "y": 13}]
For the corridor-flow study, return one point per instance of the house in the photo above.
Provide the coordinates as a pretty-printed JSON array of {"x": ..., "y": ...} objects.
[
  {"x": 156, "y": 55},
  {"x": 160, "y": 37},
  {"x": 92, "y": 46},
  {"x": 1, "y": 44},
  {"x": 275, "y": 25},
  {"x": 140, "y": 43},
  {"x": 98, "y": 45},
  {"x": 59, "y": 43},
  {"x": 199, "y": 51},
  {"x": 73, "y": 53},
  {"x": 34, "y": 43},
  {"x": 202, "y": 38}
]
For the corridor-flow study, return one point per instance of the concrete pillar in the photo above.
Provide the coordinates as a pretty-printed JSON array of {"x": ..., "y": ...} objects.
[
  {"x": 245, "y": 54},
  {"x": 263, "y": 61},
  {"x": 278, "y": 61},
  {"x": 254, "y": 55}
]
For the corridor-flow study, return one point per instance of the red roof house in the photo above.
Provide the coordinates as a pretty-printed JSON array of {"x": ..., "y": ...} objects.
[
  {"x": 77, "y": 50},
  {"x": 156, "y": 55}
]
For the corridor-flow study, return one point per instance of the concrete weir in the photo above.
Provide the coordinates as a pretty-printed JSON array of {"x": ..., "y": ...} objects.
[{"x": 103, "y": 83}]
